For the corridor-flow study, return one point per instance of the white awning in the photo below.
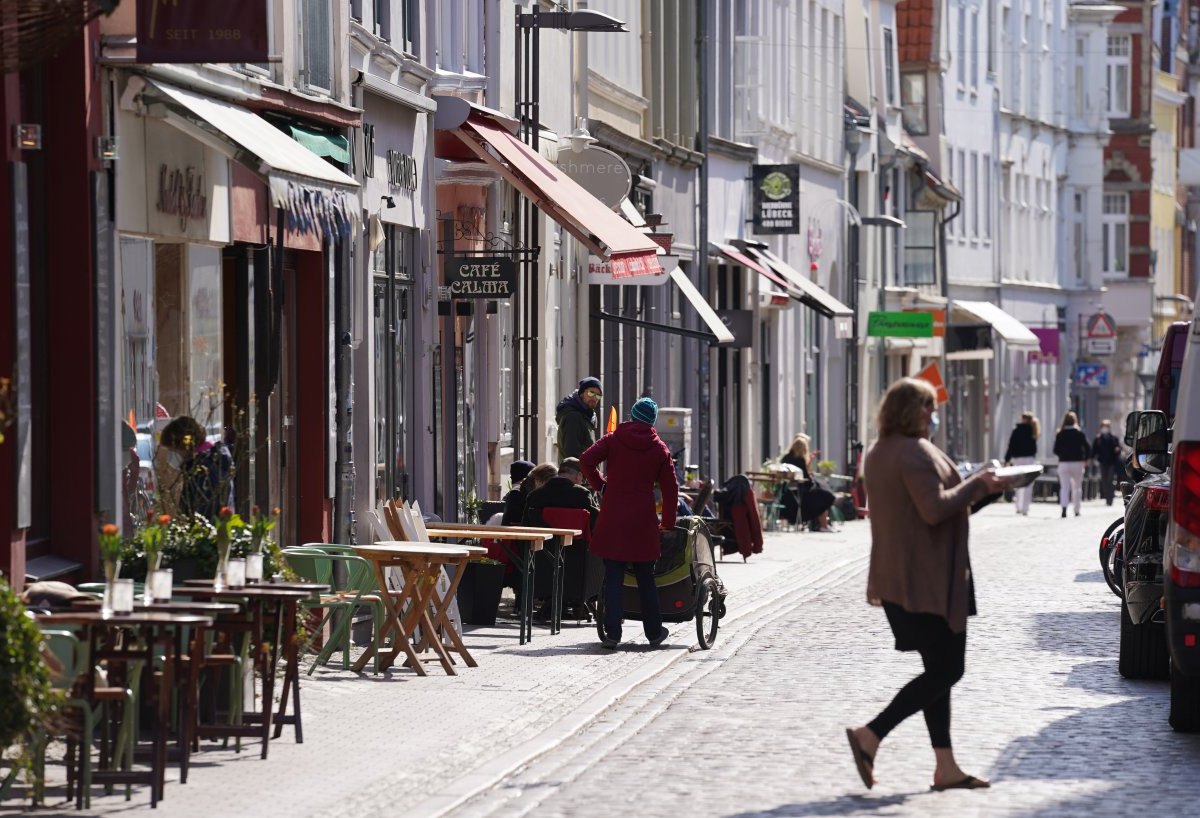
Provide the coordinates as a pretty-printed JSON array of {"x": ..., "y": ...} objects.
[
  {"x": 316, "y": 195},
  {"x": 698, "y": 302},
  {"x": 1010, "y": 329},
  {"x": 810, "y": 293}
]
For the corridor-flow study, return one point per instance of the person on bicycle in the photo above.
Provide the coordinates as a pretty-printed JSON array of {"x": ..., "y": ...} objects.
[{"x": 628, "y": 528}]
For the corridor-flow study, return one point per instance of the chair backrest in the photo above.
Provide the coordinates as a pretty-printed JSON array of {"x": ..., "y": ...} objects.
[
  {"x": 379, "y": 529},
  {"x": 71, "y": 655},
  {"x": 311, "y": 564},
  {"x": 577, "y": 518}
]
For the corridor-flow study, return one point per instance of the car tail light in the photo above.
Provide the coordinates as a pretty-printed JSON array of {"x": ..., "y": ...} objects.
[
  {"x": 1157, "y": 498},
  {"x": 1183, "y": 555}
]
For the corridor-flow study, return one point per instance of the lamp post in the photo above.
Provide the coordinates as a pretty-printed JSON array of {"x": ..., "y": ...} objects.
[
  {"x": 526, "y": 391},
  {"x": 852, "y": 138}
]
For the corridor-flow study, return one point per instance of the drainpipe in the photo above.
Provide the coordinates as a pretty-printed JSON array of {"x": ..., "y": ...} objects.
[
  {"x": 952, "y": 420},
  {"x": 702, "y": 416}
]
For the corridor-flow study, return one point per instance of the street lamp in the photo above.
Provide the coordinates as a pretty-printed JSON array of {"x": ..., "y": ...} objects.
[{"x": 526, "y": 396}]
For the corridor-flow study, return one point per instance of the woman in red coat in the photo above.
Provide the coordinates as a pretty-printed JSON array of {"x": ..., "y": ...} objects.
[{"x": 628, "y": 528}]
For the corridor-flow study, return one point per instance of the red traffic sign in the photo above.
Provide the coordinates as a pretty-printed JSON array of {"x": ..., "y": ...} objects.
[{"x": 1101, "y": 325}]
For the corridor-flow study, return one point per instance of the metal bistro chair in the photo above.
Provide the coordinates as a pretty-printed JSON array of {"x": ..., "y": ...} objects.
[
  {"x": 315, "y": 563},
  {"x": 72, "y": 655}
]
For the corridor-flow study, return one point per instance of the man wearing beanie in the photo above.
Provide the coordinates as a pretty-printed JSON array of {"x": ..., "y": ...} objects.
[
  {"x": 628, "y": 528},
  {"x": 577, "y": 419},
  {"x": 514, "y": 501}
]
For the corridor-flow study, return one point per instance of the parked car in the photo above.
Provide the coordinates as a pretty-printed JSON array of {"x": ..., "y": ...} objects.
[
  {"x": 1143, "y": 647},
  {"x": 1157, "y": 445}
]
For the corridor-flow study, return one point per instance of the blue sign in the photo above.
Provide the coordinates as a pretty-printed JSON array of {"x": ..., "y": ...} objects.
[{"x": 1091, "y": 374}]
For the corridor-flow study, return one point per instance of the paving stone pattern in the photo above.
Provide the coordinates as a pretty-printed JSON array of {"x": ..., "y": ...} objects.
[{"x": 754, "y": 727}]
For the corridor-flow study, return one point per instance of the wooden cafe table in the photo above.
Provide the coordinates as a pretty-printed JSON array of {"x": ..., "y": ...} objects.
[
  {"x": 531, "y": 540},
  {"x": 185, "y": 654},
  {"x": 269, "y": 621},
  {"x": 421, "y": 564},
  {"x": 125, "y": 642}
]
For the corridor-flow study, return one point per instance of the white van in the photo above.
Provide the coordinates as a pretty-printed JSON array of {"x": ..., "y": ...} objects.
[{"x": 1181, "y": 554}]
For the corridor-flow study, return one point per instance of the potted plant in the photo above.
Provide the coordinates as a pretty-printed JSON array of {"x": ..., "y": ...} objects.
[
  {"x": 479, "y": 591},
  {"x": 112, "y": 546},
  {"x": 227, "y": 522},
  {"x": 260, "y": 527},
  {"x": 28, "y": 700}
]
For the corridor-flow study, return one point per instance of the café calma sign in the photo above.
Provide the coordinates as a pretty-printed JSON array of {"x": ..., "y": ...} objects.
[{"x": 481, "y": 276}]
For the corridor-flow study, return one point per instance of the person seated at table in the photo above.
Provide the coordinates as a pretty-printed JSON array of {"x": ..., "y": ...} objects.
[
  {"x": 566, "y": 490},
  {"x": 534, "y": 479},
  {"x": 205, "y": 467},
  {"x": 811, "y": 503},
  {"x": 514, "y": 501}
]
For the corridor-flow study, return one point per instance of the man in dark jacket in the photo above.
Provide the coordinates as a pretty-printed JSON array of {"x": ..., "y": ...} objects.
[
  {"x": 581, "y": 571},
  {"x": 1106, "y": 448},
  {"x": 577, "y": 419}
]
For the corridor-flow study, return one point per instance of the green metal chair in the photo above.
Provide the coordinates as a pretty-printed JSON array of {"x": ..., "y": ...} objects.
[
  {"x": 71, "y": 654},
  {"x": 315, "y": 563}
]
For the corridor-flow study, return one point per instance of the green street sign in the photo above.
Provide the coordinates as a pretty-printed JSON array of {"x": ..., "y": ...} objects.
[{"x": 900, "y": 324}]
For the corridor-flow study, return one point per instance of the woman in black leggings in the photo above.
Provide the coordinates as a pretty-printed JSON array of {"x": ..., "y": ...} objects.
[{"x": 920, "y": 571}]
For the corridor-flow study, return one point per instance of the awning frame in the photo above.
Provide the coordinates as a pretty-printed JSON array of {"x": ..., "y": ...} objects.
[
  {"x": 1011, "y": 329},
  {"x": 807, "y": 292}
]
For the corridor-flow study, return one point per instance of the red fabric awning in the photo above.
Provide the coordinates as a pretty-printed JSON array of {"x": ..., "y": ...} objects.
[
  {"x": 631, "y": 252},
  {"x": 738, "y": 257}
]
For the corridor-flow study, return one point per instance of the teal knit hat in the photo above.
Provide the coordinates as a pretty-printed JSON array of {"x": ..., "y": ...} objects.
[{"x": 644, "y": 410}]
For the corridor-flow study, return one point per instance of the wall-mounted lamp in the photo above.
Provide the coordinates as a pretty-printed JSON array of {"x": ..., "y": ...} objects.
[
  {"x": 27, "y": 137},
  {"x": 391, "y": 201},
  {"x": 106, "y": 148},
  {"x": 580, "y": 139}
]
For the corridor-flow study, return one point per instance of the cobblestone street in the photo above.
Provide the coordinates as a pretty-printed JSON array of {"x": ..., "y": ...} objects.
[{"x": 752, "y": 727}]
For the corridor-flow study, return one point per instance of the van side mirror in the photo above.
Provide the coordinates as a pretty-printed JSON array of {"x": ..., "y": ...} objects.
[
  {"x": 1150, "y": 443},
  {"x": 1130, "y": 426}
]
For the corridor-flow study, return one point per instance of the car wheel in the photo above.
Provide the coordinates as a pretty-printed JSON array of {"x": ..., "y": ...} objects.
[
  {"x": 1143, "y": 653},
  {"x": 1185, "y": 702}
]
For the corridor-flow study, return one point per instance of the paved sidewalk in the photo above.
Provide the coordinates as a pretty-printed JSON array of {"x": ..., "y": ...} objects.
[{"x": 419, "y": 746}]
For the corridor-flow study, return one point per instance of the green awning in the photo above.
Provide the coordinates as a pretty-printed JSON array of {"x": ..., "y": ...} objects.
[{"x": 335, "y": 146}]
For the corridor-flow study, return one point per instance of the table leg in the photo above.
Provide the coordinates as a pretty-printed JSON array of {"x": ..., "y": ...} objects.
[
  {"x": 196, "y": 656},
  {"x": 403, "y": 625},
  {"x": 442, "y": 616},
  {"x": 264, "y": 660},
  {"x": 388, "y": 625},
  {"x": 291, "y": 676},
  {"x": 425, "y": 597}
]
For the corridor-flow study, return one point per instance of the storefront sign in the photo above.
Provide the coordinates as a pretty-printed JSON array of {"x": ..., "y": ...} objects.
[
  {"x": 181, "y": 194},
  {"x": 741, "y": 324},
  {"x": 402, "y": 170},
  {"x": 900, "y": 324},
  {"x": 598, "y": 171},
  {"x": 776, "y": 199},
  {"x": 481, "y": 277},
  {"x": 1048, "y": 346},
  {"x": 196, "y": 31}
]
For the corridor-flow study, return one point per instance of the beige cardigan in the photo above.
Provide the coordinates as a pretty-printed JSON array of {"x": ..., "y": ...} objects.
[{"x": 919, "y": 520}]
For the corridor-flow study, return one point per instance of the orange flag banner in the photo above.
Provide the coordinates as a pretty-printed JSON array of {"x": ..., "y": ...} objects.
[
  {"x": 612, "y": 421},
  {"x": 932, "y": 374},
  {"x": 132, "y": 420}
]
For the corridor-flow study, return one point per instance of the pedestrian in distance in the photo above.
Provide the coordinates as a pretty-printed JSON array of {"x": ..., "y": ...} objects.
[
  {"x": 205, "y": 467},
  {"x": 1073, "y": 452},
  {"x": 1106, "y": 449},
  {"x": 920, "y": 571},
  {"x": 628, "y": 528},
  {"x": 1022, "y": 451},
  {"x": 578, "y": 419}
]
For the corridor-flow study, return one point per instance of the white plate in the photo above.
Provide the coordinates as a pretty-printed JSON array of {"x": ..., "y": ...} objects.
[{"x": 1019, "y": 476}]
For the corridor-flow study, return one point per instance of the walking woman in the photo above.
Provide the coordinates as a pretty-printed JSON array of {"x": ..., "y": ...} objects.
[
  {"x": 920, "y": 571},
  {"x": 627, "y": 531},
  {"x": 1022, "y": 451},
  {"x": 1072, "y": 449}
]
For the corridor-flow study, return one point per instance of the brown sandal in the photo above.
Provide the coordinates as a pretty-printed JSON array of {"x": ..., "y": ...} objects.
[{"x": 862, "y": 760}]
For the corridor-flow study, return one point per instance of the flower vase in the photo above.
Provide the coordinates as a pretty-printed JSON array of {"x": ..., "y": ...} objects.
[
  {"x": 112, "y": 569},
  {"x": 153, "y": 565},
  {"x": 222, "y": 564}
]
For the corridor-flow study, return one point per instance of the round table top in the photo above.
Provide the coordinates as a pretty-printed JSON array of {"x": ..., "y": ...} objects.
[
  {"x": 124, "y": 620},
  {"x": 415, "y": 549},
  {"x": 264, "y": 591},
  {"x": 299, "y": 585},
  {"x": 174, "y": 606},
  {"x": 507, "y": 532}
]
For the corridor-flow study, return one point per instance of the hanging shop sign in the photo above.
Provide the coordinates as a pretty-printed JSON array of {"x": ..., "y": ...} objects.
[
  {"x": 196, "y": 31},
  {"x": 481, "y": 276},
  {"x": 402, "y": 171},
  {"x": 598, "y": 171},
  {"x": 900, "y": 324},
  {"x": 776, "y": 199}
]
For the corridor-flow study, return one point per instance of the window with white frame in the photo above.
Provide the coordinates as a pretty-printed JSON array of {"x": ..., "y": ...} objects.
[
  {"x": 974, "y": 49},
  {"x": 962, "y": 46},
  {"x": 316, "y": 59},
  {"x": 1077, "y": 236},
  {"x": 747, "y": 82},
  {"x": 460, "y": 23},
  {"x": 987, "y": 197},
  {"x": 1114, "y": 234},
  {"x": 1117, "y": 74},
  {"x": 1080, "y": 76},
  {"x": 962, "y": 175},
  {"x": 914, "y": 110},
  {"x": 991, "y": 36},
  {"x": 889, "y": 66}
]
